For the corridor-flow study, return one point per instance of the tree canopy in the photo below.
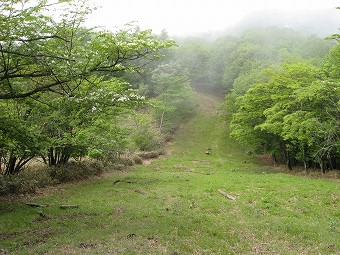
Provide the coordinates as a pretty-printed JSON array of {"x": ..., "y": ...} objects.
[
  {"x": 42, "y": 54},
  {"x": 61, "y": 84}
]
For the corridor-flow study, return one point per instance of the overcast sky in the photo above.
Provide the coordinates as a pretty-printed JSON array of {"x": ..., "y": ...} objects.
[{"x": 181, "y": 17}]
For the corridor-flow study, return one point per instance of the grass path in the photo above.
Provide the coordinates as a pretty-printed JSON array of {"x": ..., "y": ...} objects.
[{"x": 173, "y": 205}]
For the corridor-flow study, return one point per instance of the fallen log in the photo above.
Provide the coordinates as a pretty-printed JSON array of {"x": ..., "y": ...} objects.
[
  {"x": 226, "y": 195},
  {"x": 35, "y": 205},
  {"x": 69, "y": 207},
  {"x": 126, "y": 181}
]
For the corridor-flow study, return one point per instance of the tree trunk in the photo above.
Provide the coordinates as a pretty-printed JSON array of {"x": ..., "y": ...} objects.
[
  {"x": 304, "y": 161},
  {"x": 161, "y": 124},
  {"x": 10, "y": 169},
  {"x": 275, "y": 159},
  {"x": 322, "y": 168},
  {"x": 51, "y": 158},
  {"x": 59, "y": 156},
  {"x": 289, "y": 161}
]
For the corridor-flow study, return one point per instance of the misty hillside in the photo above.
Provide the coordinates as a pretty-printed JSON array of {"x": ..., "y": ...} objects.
[{"x": 322, "y": 22}]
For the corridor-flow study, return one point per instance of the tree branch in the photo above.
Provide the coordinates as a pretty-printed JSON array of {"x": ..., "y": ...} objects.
[
  {"x": 34, "y": 55},
  {"x": 32, "y": 92}
]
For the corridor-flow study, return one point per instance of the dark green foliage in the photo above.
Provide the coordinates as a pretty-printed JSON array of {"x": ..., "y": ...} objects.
[{"x": 143, "y": 134}]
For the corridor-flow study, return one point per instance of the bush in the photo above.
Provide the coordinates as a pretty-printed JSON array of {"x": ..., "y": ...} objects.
[
  {"x": 27, "y": 181},
  {"x": 150, "y": 154},
  {"x": 148, "y": 139},
  {"x": 76, "y": 170},
  {"x": 128, "y": 161},
  {"x": 138, "y": 160}
]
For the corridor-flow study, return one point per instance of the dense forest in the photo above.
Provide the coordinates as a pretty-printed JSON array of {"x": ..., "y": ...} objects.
[{"x": 69, "y": 93}]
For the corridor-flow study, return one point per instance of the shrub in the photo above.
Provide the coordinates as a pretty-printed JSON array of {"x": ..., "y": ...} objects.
[
  {"x": 76, "y": 170},
  {"x": 148, "y": 139},
  {"x": 26, "y": 181},
  {"x": 138, "y": 160},
  {"x": 150, "y": 154}
]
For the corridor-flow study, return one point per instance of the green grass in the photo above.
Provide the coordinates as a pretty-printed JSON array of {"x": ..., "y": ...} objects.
[{"x": 173, "y": 206}]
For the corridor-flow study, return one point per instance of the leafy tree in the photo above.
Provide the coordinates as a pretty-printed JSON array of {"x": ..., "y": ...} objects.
[
  {"x": 174, "y": 103},
  {"x": 19, "y": 143},
  {"x": 294, "y": 115},
  {"x": 40, "y": 54},
  {"x": 86, "y": 122},
  {"x": 57, "y": 81},
  {"x": 144, "y": 134},
  {"x": 332, "y": 65},
  {"x": 220, "y": 53}
]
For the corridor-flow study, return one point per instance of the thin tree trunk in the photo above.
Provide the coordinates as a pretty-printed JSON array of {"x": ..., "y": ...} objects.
[
  {"x": 322, "y": 168},
  {"x": 10, "y": 169},
  {"x": 51, "y": 158},
  {"x": 289, "y": 161},
  {"x": 304, "y": 161},
  {"x": 161, "y": 124},
  {"x": 21, "y": 163}
]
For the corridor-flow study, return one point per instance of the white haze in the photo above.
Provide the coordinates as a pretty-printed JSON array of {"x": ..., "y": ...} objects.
[{"x": 188, "y": 17}]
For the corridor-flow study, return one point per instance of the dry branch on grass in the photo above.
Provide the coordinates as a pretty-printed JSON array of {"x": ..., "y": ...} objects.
[
  {"x": 226, "y": 195},
  {"x": 126, "y": 181},
  {"x": 61, "y": 206},
  {"x": 35, "y": 205}
]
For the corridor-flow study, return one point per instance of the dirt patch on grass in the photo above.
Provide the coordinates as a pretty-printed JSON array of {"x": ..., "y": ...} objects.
[
  {"x": 29, "y": 238},
  {"x": 118, "y": 211}
]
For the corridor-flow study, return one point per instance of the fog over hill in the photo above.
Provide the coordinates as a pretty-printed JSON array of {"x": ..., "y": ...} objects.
[
  {"x": 318, "y": 22},
  {"x": 321, "y": 22}
]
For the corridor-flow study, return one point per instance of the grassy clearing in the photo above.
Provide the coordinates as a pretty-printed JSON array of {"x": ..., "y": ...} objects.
[{"x": 172, "y": 206}]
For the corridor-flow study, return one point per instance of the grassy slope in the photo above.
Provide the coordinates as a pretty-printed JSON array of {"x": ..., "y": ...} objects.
[{"x": 172, "y": 207}]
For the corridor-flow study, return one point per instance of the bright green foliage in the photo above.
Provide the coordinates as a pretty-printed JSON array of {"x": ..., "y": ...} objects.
[
  {"x": 87, "y": 122},
  {"x": 40, "y": 54},
  {"x": 240, "y": 86},
  {"x": 261, "y": 48},
  {"x": 294, "y": 116},
  {"x": 332, "y": 66},
  {"x": 19, "y": 143},
  {"x": 57, "y": 82},
  {"x": 143, "y": 132}
]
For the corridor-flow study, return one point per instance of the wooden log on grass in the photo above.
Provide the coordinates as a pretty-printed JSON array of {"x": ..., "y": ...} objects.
[
  {"x": 126, "y": 181},
  {"x": 226, "y": 195},
  {"x": 35, "y": 205}
]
